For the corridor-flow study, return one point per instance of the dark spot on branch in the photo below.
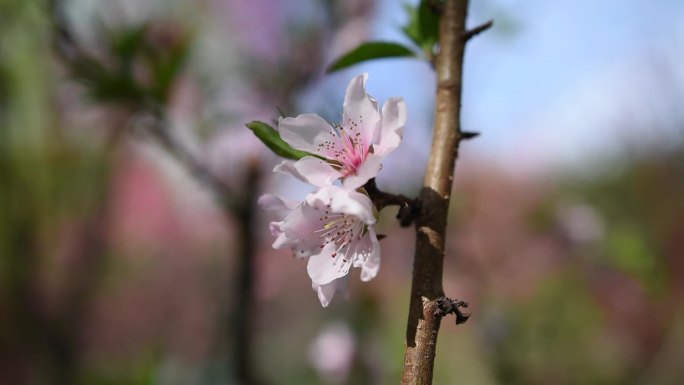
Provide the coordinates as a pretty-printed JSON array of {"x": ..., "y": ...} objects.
[{"x": 408, "y": 212}]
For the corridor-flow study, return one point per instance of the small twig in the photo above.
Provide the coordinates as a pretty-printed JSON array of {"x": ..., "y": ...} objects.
[
  {"x": 382, "y": 199},
  {"x": 469, "y": 34},
  {"x": 466, "y": 135},
  {"x": 408, "y": 208}
]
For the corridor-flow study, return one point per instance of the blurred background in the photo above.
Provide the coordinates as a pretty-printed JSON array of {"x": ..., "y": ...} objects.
[{"x": 131, "y": 251}]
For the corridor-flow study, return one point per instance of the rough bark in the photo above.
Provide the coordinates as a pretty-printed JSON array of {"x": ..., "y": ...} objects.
[{"x": 423, "y": 325}]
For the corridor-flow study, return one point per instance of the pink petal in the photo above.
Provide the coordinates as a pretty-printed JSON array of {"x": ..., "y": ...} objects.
[
  {"x": 298, "y": 229},
  {"x": 343, "y": 201},
  {"x": 275, "y": 228},
  {"x": 310, "y": 133},
  {"x": 393, "y": 120},
  {"x": 271, "y": 202},
  {"x": 282, "y": 238},
  {"x": 367, "y": 170},
  {"x": 360, "y": 109},
  {"x": 309, "y": 170}
]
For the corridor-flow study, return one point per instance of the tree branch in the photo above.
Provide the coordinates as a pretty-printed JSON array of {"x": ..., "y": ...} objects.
[{"x": 424, "y": 319}]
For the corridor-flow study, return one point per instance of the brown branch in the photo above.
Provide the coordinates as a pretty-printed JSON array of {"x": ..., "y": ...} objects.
[
  {"x": 423, "y": 323},
  {"x": 382, "y": 199},
  {"x": 408, "y": 208}
]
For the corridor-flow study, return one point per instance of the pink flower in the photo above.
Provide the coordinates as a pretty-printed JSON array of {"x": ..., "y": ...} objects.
[
  {"x": 334, "y": 229},
  {"x": 352, "y": 150},
  {"x": 333, "y": 351}
]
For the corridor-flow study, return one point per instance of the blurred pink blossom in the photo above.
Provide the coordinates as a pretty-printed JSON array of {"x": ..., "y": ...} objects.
[{"x": 332, "y": 352}]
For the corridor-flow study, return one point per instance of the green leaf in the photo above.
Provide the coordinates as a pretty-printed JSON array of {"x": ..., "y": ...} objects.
[
  {"x": 423, "y": 26},
  {"x": 370, "y": 51},
  {"x": 272, "y": 140}
]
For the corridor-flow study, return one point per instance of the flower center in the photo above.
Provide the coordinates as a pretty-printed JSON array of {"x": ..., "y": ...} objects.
[
  {"x": 354, "y": 153},
  {"x": 341, "y": 230},
  {"x": 346, "y": 146}
]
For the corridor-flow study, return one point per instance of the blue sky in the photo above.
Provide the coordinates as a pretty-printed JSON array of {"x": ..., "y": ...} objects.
[{"x": 554, "y": 84}]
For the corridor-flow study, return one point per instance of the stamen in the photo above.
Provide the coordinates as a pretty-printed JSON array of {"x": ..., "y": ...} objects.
[{"x": 341, "y": 230}]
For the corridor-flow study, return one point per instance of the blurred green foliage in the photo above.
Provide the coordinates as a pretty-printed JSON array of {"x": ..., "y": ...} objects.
[
  {"x": 49, "y": 182},
  {"x": 642, "y": 204},
  {"x": 422, "y": 28},
  {"x": 140, "y": 66},
  {"x": 423, "y": 25},
  {"x": 555, "y": 337}
]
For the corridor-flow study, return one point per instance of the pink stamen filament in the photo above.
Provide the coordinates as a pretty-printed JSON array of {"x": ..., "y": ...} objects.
[
  {"x": 346, "y": 147},
  {"x": 341, "y": 230}
]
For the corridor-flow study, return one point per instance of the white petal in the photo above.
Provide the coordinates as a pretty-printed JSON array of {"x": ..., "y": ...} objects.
[
  {"x": 393, "y": 120},
  {"x": 325, "y": 292},
  {"x": 276, "y": 228},
  {"x": 369, "y": 253},
  {"x": 324, "y": 268},
  {"x": 301, "y": 225},
  {"x": 282, "y": 240},
  {"x": 309, "y": 170},
  {"x": 361, "y": 109},
  {"x": 344, "y": 202},
  {"x": 271, "y": 202},
  {"x": 310, "y": 133},
  {"x": 367, "y": 170}
]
